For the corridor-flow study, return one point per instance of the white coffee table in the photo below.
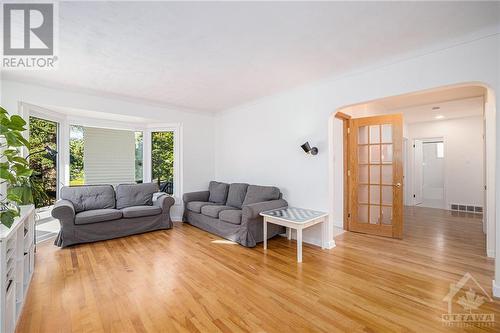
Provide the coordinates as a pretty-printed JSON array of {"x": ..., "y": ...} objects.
[{"x": 298, "y": 219}]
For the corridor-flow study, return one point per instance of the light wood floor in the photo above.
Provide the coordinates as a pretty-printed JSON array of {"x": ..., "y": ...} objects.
[{"x": 188, "y": 280}]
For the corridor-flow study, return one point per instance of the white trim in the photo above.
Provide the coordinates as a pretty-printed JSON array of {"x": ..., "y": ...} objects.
[{"x": 495, "y": 289}]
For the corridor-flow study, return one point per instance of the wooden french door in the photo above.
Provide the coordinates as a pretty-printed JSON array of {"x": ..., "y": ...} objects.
[{"x": 375, "y": 172}]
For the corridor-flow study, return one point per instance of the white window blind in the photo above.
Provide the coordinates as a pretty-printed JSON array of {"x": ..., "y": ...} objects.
[{"x": 109, "y": 156}]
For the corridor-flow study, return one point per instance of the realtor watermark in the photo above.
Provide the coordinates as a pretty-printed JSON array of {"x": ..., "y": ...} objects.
[
  {"x": 30, "y": 35},
  {"x": 464, "y": 301}
]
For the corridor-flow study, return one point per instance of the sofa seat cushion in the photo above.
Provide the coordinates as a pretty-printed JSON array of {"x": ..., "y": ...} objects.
[
  {"x": 140, "y": 211},
  {"x": 257, "y": 194},
  {"x": 218, "y": 192},
  {"x": 97, "y": 215},
  {"x": 231, "y": 216},
  {"x": 214, "y": 210},
  {"x": 195, "y": 206}
]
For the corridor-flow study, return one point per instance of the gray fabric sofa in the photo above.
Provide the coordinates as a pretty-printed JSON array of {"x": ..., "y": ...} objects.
[
  {"x": 98, "y": 212},
  {"x": 232, "y": 211}
]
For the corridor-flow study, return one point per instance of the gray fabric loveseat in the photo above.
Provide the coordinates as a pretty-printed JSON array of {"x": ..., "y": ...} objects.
[
  {"x": 97, "y": 212},
  {"x": 232, "y": 211}
]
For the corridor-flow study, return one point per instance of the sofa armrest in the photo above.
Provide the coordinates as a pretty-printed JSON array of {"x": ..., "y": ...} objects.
[
  {"x": 252, "y": 211},
  {"x": 196, "y": 196},
  {"x": 164, "y": 201},
  {"x": 64, "y": 211}
]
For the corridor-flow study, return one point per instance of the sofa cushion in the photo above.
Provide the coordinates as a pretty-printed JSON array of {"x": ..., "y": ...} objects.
[
  {"x": 89, "y": 197},
  {"x": 195, "y": 206},
  {"x": 231, "y": 216},
  {"x": 236, "y": 194},
  {"x": 257, "y": 193},
  {"x": 128, "y": 195},
  {"x": 97, "y": 215},
  {"x": 218, "y": 192},
  {"x": 140, "y": 211},
  {"x": 214, "y": 210}
]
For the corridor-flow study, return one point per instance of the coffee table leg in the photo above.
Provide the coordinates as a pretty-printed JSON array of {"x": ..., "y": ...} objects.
[
  {"x": 289, "y": 233},
  {"x": 299, "y": 245},
  {"x": 265, "y": 234}
]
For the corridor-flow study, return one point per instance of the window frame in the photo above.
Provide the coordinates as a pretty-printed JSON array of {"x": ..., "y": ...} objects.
[{"x": 66, "y": 120}]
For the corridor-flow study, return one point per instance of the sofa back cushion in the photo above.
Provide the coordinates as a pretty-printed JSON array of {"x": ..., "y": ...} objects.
[
  {"x": 256, "y": 193},
  {"x": 89, "y": 197},
  {"x": 218, "y": 192},
  {"x": 236, "y": 194},
  {"x": 128, "y": 195}
]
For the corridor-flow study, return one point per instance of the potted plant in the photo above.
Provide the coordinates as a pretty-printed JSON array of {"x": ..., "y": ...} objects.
[{"x": 14, "y": 169}]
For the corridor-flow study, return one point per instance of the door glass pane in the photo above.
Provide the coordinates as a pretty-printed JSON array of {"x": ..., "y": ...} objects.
[
  {"x": 375, "y": 194},
  {"x": 386, "y": 215},
  {"x": 363, "y": 174},
  {"x": 386, "y": 174},
  {"x": 363, "y": 213},
  {"x": 387, "y": 195},
  {"x": 374, "y": 174},
  {"x": 386, "y": 153},
  {"x": 375, "y": 154},
  {"x": 374, "y": 214},
  {"x": 363, "y": 154},
  {"x": 363, "y": 193},
  {"x": 363, "y": 135},
  {"x": 387, "y": 133},
  {"x": 375, "y": 134},
  {"x": 162, "y": 160}
]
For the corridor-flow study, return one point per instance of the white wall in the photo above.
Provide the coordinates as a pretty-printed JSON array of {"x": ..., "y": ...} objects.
[
  {"x": 259, "y": 142},
  {"x": 197, "y": 128},
  {"x": 464, "y": 158}
]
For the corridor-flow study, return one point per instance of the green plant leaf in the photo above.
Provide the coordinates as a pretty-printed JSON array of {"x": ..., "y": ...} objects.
[
  {"x": 7, "y": 217},
  {"x": 17, "y": 123}
]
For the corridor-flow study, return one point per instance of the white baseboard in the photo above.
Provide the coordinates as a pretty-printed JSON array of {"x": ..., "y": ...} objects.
[
  {"x": 490, "y": 253},
  {"x": 495, "y": 289}
]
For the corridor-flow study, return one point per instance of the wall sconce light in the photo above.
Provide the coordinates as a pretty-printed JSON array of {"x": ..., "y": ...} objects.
[{"x": 307, "y": 148}]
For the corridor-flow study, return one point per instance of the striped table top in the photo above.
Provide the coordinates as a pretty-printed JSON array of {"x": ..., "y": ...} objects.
[{"x": 294, "y": 214}]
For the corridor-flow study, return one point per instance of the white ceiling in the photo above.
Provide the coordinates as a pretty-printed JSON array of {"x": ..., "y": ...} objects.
[{"x": 213, "y": 56}]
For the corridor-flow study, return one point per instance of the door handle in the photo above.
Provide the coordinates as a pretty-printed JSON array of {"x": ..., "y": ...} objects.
[{"x": 398, "y": 185}]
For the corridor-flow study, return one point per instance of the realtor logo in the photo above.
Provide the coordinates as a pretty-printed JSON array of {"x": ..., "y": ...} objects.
[
  {"x": 29, "y": 31},
  {"x": 470, "y": 295}
]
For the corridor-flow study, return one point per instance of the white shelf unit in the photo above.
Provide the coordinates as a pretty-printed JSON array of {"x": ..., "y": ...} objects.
[{"x": 17, "y": 260}]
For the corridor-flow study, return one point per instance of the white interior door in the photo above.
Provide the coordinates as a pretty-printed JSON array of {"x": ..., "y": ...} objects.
[{"x": 417, "y": 171}]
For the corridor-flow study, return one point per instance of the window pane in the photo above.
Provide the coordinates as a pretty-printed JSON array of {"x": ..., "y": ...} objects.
[
  {"x": 138, "y": 157},
  {"x": 363, "y": 154},
  {"x": 43, "y": 133},
  {"x": 374, "y": 174},
  {"x": 76, "y": 152},
  {"x": 363, "y": 135},
  {"x": 375, "y": 154},
  {"x": 363, "y": 213},
  {"x": 387, "y": 195},
  {"x": 386, "y": 215},
  {"x": 387, "y": 133},
  {"x": 386, "y": 153},
  {"x": 363, "y": 193},
  {"x": 363, "y": 174},
  {"x": 374, "y": 214},
  {"x": 162, "y": 160},
  {"x": 375, "y": 194},
  {"x": 375, "y": 134}
]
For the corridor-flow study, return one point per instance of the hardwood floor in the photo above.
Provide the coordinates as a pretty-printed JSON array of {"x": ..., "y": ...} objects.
[{"x": 188, "y": 280}]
